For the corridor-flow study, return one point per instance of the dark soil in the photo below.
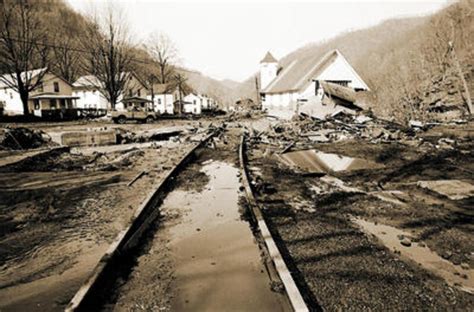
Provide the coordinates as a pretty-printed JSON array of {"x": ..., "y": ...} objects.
[{"x": 345, "y": 269}]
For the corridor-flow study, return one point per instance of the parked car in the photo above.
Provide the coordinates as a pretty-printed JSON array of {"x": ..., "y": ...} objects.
[{"x": 135, "y": 108}]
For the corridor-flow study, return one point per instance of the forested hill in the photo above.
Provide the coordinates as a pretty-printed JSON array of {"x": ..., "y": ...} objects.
[
  {"x": 66, "y": 38},
  {"x": 407, "y": 62}
]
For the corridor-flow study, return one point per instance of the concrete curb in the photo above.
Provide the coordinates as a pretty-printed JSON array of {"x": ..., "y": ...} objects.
[
  {"x": 129, "y": 237},
  {"x": 292, "y": 291}
]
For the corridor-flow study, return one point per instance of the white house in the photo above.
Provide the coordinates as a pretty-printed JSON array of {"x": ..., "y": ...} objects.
[
  {"x": 192, "y": 104},
  {"x": 52, "y": 96},
  {"x": 89, "y": 95},
  {"x": 208, "y": 103},
  {"x": 87, "y": 89},
  {"x": 298, "y": 86},
  {"x": 163, "y": 99}
]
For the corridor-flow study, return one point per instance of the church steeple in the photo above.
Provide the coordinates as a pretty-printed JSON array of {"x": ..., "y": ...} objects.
[
  {"x": 268, "y": 58},
  {"x": 268, "y": 70}
]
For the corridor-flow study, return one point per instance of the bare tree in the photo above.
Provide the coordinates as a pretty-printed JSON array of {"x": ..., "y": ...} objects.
[
  {"x": 66, "y": 59},
  {"x": 23, "y": 54},
  {"x": 164, "y": 52},
  {"x": 110, "y": 58}
]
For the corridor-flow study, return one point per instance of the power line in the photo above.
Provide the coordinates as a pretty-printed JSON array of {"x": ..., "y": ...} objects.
[{"x": 74, "y": 49}]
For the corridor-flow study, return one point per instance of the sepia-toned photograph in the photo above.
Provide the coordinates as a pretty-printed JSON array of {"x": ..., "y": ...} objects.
[{"x": 260, "y": 156}]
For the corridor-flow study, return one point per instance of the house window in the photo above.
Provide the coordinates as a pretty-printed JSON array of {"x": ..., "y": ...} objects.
[
  {"x": 130, "y": 93},
  {"x": 138, "y": 92},
  {"x": 63, "y": 103},
  {"x": 11, "y": 95},
  {"x": 159, "y": 101},
  {"x": 56, "y": 87},
  {"x": 41, "y": 87},
  {"x": 52, "y": 103},
  {"x": 37, "y": 104}
]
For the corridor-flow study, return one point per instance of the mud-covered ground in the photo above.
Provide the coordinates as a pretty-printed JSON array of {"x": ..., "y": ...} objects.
[
  {"x": 199, "y": 255},
  {"x": 334, "y": 261},
  {"x": 59, "y": 211}
]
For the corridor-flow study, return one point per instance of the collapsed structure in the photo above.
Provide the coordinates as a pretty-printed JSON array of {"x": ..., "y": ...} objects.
[{"x": 315, "y": 86}]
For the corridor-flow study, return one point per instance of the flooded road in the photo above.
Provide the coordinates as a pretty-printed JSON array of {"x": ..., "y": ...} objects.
[
  {"x": 204, "y": 256},
  {"x": 390, "y": 237},
  {"x": 218, "y": 265}
]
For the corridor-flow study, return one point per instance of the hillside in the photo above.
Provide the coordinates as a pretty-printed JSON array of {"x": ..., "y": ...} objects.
[
  {"x": 405, "y": 62},
  {"x": 222, "y": 91}
]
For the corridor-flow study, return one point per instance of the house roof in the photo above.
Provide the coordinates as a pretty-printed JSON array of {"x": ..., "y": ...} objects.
[
  {"x": 300, "y": 73},
  {"x": 136, "y": 99},
  {"x": 269, "y": 58},
  {"x": 46, "y": 95},
  {"x": 30, "y": 74},
  {"x": 89, "y": 81},
  {"x": 86, "y": 81}
]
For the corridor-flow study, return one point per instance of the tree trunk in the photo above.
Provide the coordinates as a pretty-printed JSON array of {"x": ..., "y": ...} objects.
[
  {"x": 24, "y": 100},
  {"x": 466, "y": 94},
  {"x": 162, "y": 71}
]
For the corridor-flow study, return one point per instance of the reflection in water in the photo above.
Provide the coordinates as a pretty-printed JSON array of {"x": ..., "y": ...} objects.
[
  {"x": 428, "y": 259},
  {"x": 318, "y": 162},
  {"x": 218, "y": 266}
]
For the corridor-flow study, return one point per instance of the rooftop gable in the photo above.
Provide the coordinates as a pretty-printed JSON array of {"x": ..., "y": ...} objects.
[
  {"x": 301, "y": 72},
  {"x": 269, "y": 58}
]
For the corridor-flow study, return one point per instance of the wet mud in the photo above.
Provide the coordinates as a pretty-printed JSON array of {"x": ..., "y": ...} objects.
[{"x": 213, "y": 262}]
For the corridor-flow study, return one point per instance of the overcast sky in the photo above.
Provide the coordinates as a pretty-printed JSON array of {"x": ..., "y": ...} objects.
[{"x": 227, "y": 39}]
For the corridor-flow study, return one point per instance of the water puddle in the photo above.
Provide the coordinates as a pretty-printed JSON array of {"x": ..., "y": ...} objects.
[
  {"x": 313, "y": 161},
  {"x": 418, "y": 252},
  {"x": 218, "y": 266}
]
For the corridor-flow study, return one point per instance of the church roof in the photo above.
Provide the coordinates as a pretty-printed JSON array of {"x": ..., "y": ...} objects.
[
  {"x": 300, "y": 72},
  {"x": 268, "y": 58}
]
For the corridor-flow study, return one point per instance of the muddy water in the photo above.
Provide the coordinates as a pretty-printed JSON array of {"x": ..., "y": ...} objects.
[
  {"x": 428, "y": 259},
  {"x": 318, "y": 162},
  {"x": 217, "y": 262}
]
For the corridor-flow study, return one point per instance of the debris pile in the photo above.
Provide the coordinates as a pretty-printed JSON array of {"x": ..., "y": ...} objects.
[
  {"x": 23, "y": 138},
  {"x": 125, "y": 137},
  {"x": 344, "y": 126},
  {"x": 62, "y": 160}
]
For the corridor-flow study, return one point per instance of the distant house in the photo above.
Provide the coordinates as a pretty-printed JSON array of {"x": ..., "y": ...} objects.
[
  {"x": 208, "y": 103},
  {"x": 52, "y": 98},
  {"x": 192, "y": 104},
  {"x": 87, "y": 88},
  {"x": 299, "y": 87},
  {"x": 163, "y": 98}
]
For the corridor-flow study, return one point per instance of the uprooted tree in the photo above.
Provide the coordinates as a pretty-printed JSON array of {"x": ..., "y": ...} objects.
[
  {"x": 109, "y": 58},
  {"x": 23, "y": 55}
]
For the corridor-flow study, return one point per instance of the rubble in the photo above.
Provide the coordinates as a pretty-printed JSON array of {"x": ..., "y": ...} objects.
[
  {"x": 453, "y": 189},
  {"x": 23, "y": 138},
  {"x": 337, "y": 127}
]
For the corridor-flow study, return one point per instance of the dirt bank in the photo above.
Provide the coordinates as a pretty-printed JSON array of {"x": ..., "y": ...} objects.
[{"x": 60, "y": 212}]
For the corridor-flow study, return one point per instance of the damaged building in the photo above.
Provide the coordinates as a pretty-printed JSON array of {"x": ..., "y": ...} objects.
[{"x": 312, "y": 85}]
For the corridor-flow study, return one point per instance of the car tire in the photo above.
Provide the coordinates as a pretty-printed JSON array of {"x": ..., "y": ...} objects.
[
  {"x": 149, "y": 119},
  {"x": 121, "y": 120}
]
